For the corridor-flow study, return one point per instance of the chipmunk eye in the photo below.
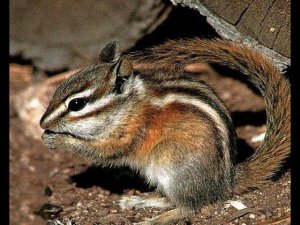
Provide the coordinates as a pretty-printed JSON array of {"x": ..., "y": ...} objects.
[{"x": 76, "y": 104}]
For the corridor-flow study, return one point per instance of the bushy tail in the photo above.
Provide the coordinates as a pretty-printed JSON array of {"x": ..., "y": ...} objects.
[{"x": 274, "y": 87}]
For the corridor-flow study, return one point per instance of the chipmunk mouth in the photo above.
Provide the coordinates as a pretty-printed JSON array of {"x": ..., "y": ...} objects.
[
  {"x": 53, "y": 139},
  {"x": 49, "y": 132}
]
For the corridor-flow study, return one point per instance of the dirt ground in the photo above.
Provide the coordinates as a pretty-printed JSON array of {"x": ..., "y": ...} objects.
[{"x": 56, "y": 185}]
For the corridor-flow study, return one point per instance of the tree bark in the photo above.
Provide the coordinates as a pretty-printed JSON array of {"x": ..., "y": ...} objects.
[{"x": 263, "y": 25}]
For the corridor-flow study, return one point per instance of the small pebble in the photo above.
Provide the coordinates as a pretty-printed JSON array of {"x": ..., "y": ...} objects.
[
  {"x": 79, "y": 204},
  {"x": 106, "y": 192},
  {"x": 31, "y": 217},
  {"x": 252, "y": 216},
  {"x": 268, "y": 213},
  {"x": 31, "y": 168},
  {"x": 102, "y": 212},
  {"x": 262, "y": 217}
]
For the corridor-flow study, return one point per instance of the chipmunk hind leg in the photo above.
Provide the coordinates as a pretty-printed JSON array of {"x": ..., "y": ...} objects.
[
  {"x": 140, "y": 202},
  {"x": 169, "y": 217}
]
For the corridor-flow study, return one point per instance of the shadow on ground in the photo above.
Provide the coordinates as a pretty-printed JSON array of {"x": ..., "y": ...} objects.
[{"x": 115, "y": 180}]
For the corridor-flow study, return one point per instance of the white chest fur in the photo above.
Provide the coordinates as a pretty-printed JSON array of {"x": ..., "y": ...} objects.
[{"x": 160, "y": 176}]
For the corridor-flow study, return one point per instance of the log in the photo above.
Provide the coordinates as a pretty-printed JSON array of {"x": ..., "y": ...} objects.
[{"x": 262, "y": 25}]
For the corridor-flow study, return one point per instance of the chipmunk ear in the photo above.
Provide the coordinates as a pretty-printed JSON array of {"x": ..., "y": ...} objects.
[
  {"x": 125, "y": 68},
  {"x": 110, "y": 53}
]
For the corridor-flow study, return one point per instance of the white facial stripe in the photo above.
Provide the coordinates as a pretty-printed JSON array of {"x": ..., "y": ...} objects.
[
  {"x": 55, "y": 113},
  {"x": 63, "y": 107},
  {"x": 101, "y": 103},
  {"x": 83, "y": 94}
]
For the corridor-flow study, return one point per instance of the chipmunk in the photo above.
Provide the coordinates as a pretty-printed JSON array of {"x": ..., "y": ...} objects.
[{"x": 149, "y": 110}]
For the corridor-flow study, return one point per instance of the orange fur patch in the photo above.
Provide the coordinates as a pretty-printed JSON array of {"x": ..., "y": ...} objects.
[{"x": 175, "y": 124}]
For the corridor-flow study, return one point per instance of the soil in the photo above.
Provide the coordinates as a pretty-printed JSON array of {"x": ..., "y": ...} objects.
[{"x": 63, "y": 188}]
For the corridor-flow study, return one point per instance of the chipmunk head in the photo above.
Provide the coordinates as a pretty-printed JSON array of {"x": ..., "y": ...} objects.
[{"x": 89, "y": 105}]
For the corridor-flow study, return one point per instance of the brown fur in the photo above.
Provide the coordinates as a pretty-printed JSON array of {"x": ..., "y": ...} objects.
[
  {"x": 192, "y": 148},
  {"x": 185, "y": 55},
  {"x": 173, "y": 125}
]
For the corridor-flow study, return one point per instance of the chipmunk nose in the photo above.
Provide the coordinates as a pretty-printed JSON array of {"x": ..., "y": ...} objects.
[{"x": 43, "y": 123}]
